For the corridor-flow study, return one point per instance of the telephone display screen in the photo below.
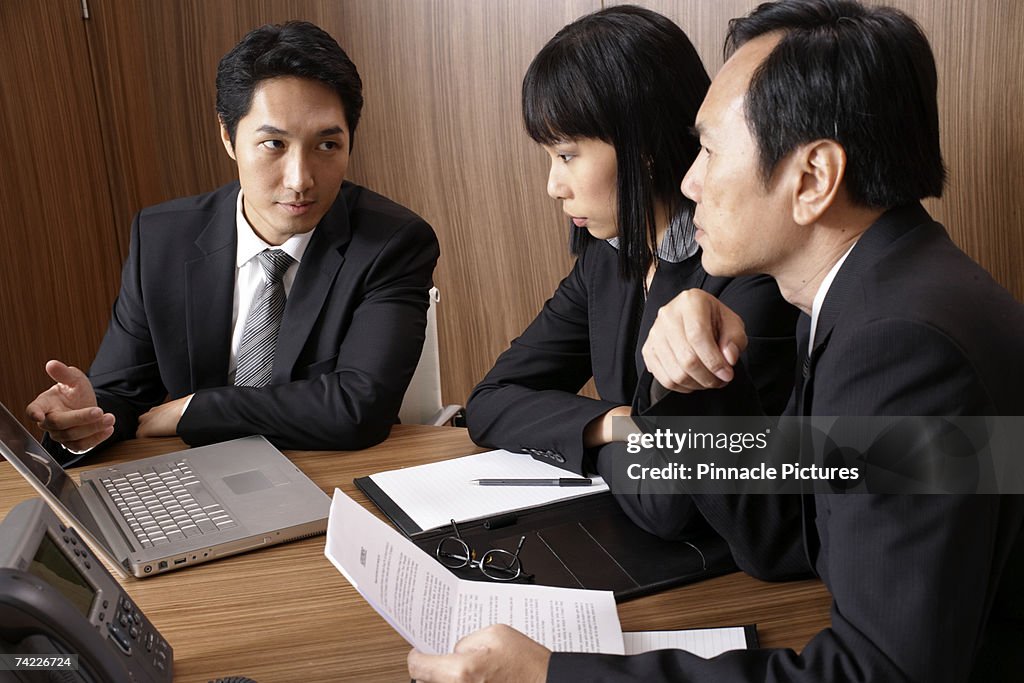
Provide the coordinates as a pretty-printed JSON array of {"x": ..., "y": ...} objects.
[{"x": 53, "y": 567}]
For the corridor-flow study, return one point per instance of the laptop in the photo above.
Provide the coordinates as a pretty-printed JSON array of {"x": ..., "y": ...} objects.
[{"x": 175, "y": 510}]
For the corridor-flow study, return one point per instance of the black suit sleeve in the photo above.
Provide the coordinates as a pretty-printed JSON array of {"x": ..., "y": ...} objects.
[
  {"x": 528, "y": 402},
  {"x": 125, "y": 373},
  {"x": 762, "y": 385},
  {"x": 354, "y": 405},
  {"x": 766, "y": 381}
]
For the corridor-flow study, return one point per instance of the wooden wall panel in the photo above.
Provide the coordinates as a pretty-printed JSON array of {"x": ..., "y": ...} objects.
[
  {"x": 980, "y": 56},
  {"x": 61, "y": 267},
  {"x": 442, "y": 134},
  {"x": 980, "y": 59},
  {"x": 154, "y": 64}
]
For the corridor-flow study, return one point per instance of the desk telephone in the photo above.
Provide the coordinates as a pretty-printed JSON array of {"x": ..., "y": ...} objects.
[{"x": 56, "y": 598}]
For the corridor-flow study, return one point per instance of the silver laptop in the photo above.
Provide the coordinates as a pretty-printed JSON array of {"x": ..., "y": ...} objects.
[{"x": 178, "y": 509}]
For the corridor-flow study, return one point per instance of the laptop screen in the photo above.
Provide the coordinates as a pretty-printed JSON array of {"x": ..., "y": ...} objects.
[{"x": 33, "y": 462}]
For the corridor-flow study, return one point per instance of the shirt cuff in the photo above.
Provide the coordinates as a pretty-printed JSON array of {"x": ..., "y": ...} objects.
[{"x": 185, "y": 407}]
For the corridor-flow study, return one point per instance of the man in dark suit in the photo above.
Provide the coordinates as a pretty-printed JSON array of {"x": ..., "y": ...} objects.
[
  {"x": 820, "y": 137},
  {"x": 290, "y": 304}
]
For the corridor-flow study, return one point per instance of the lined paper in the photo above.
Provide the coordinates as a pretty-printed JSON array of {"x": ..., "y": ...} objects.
[
  {"x": 703, "y": 642},
  {"x": 435, "y": 493}
]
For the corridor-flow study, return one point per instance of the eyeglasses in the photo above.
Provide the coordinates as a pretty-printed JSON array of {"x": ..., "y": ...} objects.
[{"x": 496, "y": 564}]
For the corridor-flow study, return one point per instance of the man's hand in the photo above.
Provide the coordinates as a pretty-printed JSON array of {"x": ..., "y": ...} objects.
[
  {"x": 162, "y": 420},
  {"x": 694, "y": 342},
  {"x": 68, "y": 410},
  {"x": 494, "y": 654}
]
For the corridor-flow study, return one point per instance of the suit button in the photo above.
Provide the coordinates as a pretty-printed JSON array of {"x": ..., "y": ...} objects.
[{"x": 557, "y": 458}]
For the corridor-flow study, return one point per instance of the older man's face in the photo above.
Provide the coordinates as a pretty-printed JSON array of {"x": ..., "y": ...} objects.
[{"x": 742, "y": 227}]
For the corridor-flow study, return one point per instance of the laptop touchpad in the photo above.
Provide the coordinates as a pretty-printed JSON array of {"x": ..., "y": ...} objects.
[{"x": 247, "y": 482}]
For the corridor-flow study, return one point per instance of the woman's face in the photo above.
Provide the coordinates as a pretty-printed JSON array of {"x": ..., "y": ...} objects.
[{"x": 583, "y": 176}]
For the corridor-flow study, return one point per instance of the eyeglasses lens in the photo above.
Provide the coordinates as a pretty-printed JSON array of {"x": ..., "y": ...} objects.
[
  {"x": 453, "y": 553},
  {"x": 500, "y": 565}
]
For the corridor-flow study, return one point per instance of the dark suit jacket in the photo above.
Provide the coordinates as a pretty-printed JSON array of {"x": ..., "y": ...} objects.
[
  {"x": 910, "y": 326},
  {"x": 594, "y": 326},
  {"x": 350, "y": 338}
]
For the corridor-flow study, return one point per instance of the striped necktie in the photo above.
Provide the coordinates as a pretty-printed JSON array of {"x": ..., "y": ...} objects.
[{"x": 259, "y": 337}]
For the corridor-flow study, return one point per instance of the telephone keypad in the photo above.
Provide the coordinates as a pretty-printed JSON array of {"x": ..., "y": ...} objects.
[
  {"x": 118, "y": 636},
  {"x": 125, "y": 628}
]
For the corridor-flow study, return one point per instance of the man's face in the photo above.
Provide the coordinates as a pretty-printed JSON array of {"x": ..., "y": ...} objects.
[
  {"x": 742, "y": 226},
  {"x": 292, "y": 150}
]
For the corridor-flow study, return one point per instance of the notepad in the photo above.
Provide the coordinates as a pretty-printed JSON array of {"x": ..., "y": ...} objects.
[
  {"x": 703, "y": 642},
  {"x": 435, "y": 493}
]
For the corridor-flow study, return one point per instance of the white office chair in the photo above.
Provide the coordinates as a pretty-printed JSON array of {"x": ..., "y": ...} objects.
[{"x": 422, "y": 402}]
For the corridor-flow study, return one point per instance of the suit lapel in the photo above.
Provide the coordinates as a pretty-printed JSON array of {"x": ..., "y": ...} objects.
[
  {"x": 669, "y": 280},
  {"x": 871, "y": 247},
  {"x": 210, "y": 290},
  {"x": 615, "y": 316},
  {"x": 313, "y": 282}
]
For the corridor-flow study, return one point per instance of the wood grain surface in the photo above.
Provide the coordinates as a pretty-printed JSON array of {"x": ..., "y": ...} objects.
[
  {"x": 286, "y": 614},
  {"x": 61, "y": 264}
]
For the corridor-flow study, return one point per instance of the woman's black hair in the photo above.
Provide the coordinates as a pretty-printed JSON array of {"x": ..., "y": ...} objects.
[{"x": 631, "y": 78}]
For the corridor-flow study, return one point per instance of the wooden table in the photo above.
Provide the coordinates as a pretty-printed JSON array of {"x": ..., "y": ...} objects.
[{"x": 286, "y": 614}]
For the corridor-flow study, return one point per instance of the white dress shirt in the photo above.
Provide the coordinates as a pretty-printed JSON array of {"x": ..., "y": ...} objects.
[
  {"x": 250, "y": 276},
  {"x": 819, "y": 298}
]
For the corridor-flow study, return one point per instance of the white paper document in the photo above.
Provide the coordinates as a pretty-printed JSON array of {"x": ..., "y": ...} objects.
[
  {"x": 437, "y": 492},
  {"x": 432, "y": 608},
  {"x": 703, "y": 642}
]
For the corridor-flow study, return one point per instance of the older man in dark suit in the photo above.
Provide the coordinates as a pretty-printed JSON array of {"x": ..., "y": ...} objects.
[
  {"x": 290, "y": 304},
  {"x": 820, "y": 136}
]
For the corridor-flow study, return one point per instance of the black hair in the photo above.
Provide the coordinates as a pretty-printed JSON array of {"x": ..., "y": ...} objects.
[
  {"x": 862, "y": 76},
  {"x": 296, "y": 48},
  {"x": 631, "y": 78}
]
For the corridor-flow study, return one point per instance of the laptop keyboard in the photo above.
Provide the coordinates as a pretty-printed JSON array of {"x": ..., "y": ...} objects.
[{"x": 166, "y": 503}]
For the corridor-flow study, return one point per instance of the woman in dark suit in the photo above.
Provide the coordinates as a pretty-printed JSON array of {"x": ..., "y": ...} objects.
[{"x": 612, "y": 98}]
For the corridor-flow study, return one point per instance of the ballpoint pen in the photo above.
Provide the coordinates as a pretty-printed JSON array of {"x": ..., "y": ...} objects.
[{"x": 532, "y": 482}]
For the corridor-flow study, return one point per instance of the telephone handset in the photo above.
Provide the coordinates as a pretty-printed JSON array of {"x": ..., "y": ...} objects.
[{"x": 56, "y": 598}]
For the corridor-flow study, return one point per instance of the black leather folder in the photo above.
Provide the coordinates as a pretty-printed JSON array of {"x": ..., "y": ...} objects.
[{"x": 585, "y": 542}]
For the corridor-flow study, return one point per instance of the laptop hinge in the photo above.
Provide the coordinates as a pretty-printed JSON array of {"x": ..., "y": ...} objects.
[{"x": 121, "y": 544}]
